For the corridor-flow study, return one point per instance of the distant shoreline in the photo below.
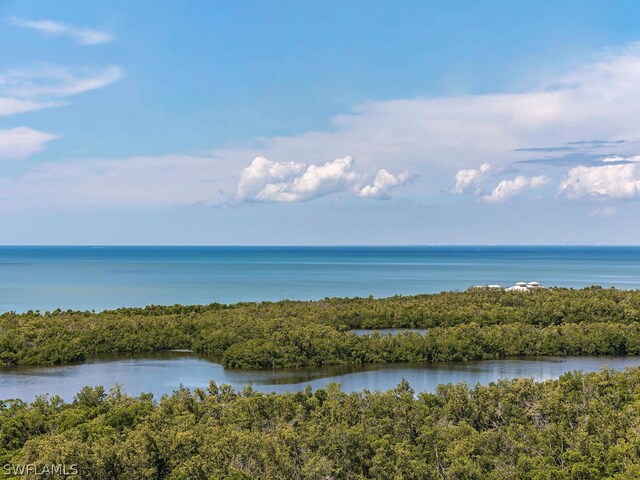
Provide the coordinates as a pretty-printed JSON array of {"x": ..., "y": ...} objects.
[{"x": 152, "y": 306}]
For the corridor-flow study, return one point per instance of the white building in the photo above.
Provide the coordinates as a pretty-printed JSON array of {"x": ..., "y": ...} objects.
[{"x": 518, "y": 288}]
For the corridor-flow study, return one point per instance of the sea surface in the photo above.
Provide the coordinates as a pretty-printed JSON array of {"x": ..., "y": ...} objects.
[
  {"x": 163, "y": 372},
  {"x": 98, "y": 278}
]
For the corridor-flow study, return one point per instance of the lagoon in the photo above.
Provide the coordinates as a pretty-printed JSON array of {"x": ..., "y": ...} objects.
[{"x": 161, "y": 373}]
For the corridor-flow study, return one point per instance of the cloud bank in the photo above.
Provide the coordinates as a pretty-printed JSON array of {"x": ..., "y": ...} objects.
[
  {"x": 51, "y": 28},
  {"x": 507, "y": 189},
  {"x": 609, "y": 181},
  {"x": 590, "y": 112},
  {"x": 267, "y": 181}
]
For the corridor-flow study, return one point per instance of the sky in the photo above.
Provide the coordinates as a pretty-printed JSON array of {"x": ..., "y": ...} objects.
[{"x": 319, "y": 123}]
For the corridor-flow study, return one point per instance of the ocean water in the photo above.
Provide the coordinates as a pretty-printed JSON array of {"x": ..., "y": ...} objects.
[{"x": 98, "y": 278}]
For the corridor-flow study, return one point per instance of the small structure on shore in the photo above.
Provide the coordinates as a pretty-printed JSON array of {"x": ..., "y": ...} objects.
[
  {"x": 518, "y": 287},
  {"x": 486, "y": 287},
  {"x": 524, "y": 287}
]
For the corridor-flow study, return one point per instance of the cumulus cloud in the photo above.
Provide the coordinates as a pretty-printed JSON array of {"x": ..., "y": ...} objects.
[
  {"x": 267, "y": 181},
  {"x": 262, "y": 172},
  {"x": 618, "y": 181},
  {"x": 468, "y": 179},
  {"x": 598, "y": 100},
  {"x": 316, "y": 181},
  {"x": 20, "y": 142},
  {"x": 436, "y": 137},
  {"x": 50, "y": 28},
  {"x": 382, "y": 185},
  {"x": 507, "y": 189}
]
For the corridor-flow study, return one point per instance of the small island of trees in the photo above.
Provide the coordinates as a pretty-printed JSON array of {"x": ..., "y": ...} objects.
[{"x": 473, "y": 325}]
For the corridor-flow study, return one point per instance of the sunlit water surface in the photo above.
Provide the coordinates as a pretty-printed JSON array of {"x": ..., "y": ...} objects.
[
  {"x": 163, "y": 372},
  {"x": 98, "y": 278}
]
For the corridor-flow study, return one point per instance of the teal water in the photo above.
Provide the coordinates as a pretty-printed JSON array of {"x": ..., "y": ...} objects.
[
  {"x": 162, "y": 373},
  {"x": 86, "y": 278}
]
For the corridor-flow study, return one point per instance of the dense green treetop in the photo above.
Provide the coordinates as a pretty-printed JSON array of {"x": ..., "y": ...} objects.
[
  {"x": 461, "y": 326},
  {"x": 580, "y": 427}
]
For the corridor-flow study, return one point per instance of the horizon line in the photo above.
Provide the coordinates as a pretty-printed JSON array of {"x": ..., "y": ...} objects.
[{"x": 313, "y": 245}]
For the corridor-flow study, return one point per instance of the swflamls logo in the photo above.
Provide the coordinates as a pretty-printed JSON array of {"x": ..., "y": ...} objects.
[{"x": 40, "y": 470}]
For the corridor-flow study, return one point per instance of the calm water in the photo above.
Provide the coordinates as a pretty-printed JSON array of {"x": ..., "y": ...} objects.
[
  {"x": 162, "y": 373},
  {"x": 97, "y": 278},
  {"x": 387, "y": 331}
]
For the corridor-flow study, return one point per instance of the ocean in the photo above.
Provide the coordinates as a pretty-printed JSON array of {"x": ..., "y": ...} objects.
[{"x": 98, "y": 278}]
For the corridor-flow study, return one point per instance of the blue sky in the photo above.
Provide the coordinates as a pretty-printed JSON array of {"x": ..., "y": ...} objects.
[{"x": 319, "y": 122}]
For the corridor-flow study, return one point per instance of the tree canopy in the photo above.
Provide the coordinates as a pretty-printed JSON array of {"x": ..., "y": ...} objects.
[
  {"x": 580, "y": 427},
  {"x": 471, "y": 325}
]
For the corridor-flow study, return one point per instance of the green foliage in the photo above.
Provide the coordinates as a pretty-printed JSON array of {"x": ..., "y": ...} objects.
[
  {"x": 471, "y": 325},
  {"x": 581, "y": 426}
]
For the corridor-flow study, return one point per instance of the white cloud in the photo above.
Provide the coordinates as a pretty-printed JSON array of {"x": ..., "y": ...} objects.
[
  {"x": 507, "y": 189},
  {"x": 20, "y": 142},
  {"x": 263, "y": 172},
  {"x": 267, "y": 181},
  {"x": 12, "y": 106},
  {"x": 30, "y": 90},
  {"x": 436, "y": 137},
  {"x": 607, "y": 181},
  {"x": 50, "y": 28},
  {"x": 618, "y": 158},
  {"x": 175, "y": 180},
  {"x": 56, "y": 81},
  {"x": 316, "y": 181},
  {"x": 468, "y": 179},
  {"x": 382, "y": 185},
  {"x": 432, "y": 137}
]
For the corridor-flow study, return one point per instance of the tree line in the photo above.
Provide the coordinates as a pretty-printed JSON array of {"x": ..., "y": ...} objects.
[
  {"x": 471, "y": 325},
  {"x": 579, "y": 427}
]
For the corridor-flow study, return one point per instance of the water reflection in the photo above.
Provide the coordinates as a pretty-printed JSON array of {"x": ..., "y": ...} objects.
[{"x": 161, "y": 373}]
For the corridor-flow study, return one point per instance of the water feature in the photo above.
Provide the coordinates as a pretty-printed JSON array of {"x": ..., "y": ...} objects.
[
  {"x": 387, "y": 331},
  {"x": 87, "y": 278},
  {"x": 161, "y": 373}
]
